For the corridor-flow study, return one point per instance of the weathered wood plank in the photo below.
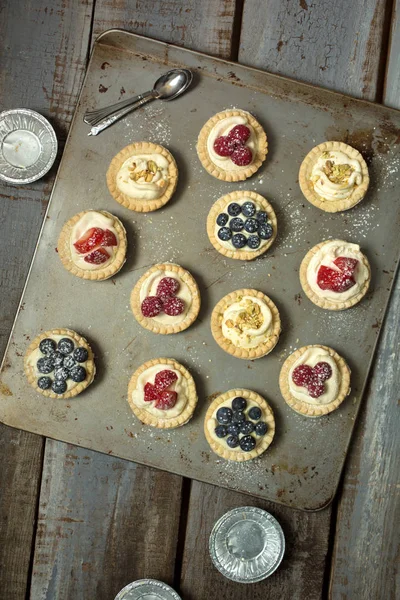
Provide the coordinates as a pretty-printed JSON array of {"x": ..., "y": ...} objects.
[
  {"x": 392, "y": 79},
  {"x": 102, "y": 523}
]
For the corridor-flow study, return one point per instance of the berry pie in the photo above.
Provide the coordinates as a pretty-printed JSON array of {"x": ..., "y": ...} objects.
[
  {"x": 334, "y": 176},
  {"x": 314, "y": 380},
  {"x": 242, "y": 225},
  {"x": 59, "y": 363},
  {"x": 166, "y": 299},
  {"x": 92, "y": 245},
  {"x": 232, "y": 145},
  {"x": 239, "y": 425},
  {"x": 335, "y": 274},
  {"x": 162, "y": 393},
  {"x": 246, "y": 324},
  {"x": 142, "y": 176}
]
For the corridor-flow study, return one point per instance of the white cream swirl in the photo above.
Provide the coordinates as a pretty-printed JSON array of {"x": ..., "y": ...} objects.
[
  {"x": 180, "y": 387},
  {"x": 91, "y": 219},
  {"x": 142, "y": 189},
  {"x": 223, "y": 127},
  {"x": 324, "y": 187},
  {"x": 247, "y": 323},
  {"x": 149, "y": 288},
  {"x": 311, "y": 357}
]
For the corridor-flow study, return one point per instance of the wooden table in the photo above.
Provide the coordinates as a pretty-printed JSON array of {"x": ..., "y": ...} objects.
[{"x": 75, "y": 524}]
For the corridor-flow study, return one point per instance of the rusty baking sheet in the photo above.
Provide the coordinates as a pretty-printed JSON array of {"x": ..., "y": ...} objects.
[{"x": 303, "y": 465}]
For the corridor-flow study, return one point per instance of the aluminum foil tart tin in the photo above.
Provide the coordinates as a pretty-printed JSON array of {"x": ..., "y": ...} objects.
[
  {"x": 28, "y": 146},
  {"x": 147, "y": 589},
  {"x": 247, "y": 544}
]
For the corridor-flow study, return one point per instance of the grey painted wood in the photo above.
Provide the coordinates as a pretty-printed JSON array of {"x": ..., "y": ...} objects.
[{"x": 392, "y": 80}]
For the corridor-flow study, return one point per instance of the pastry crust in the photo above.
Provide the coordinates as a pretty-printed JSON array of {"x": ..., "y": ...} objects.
[
  {"x": 324, "y": 302},
  {"x": 308, "y": 189},
  {"x": 141, "y": 205},
  {"x": 151, "y": 324},
  {"x": 304, "y": 408},
  {"x": 89, "y": 364},
  {"x": 221, "y": 448},
  {"x": 64, "y": 250},
  {"x": 244, "y": 172},
  {"x": 220, "y": 205},
  {"x": 227, "y": 345},
  {"x": 148, "y": 419}
]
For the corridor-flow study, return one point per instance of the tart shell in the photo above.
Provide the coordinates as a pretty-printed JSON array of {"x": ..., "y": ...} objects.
[{"x": 305, "y": 408}]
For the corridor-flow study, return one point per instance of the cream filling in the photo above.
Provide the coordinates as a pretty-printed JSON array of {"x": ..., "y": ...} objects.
[
  {"x": 142, "y": 189},
  {"x": 223, "y": 127},
  {"x": 249, "y": 337},
  {"x": 180, "y": 387},
  {"x": 91, "y": 219},
  {"x": 212, "y": 423},
  {"x": 149, "y": 288},
  {"x": 324, "y": 187},
  {"x": 325, "y": 256},
  {"x": 311, "y": 357},
  {"x": 36, "y": 354},
  {"x": 228, "y": 245}
]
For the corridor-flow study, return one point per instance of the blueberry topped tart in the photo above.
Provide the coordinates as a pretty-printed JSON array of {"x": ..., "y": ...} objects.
[
  {"x": 242, "y": 225},
  {"x": 239, "y": 425},
  {"x": 59, "y": 363}
]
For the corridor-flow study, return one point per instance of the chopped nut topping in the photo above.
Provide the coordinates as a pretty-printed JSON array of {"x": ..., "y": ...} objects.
[{"x": 337, "y": 173}]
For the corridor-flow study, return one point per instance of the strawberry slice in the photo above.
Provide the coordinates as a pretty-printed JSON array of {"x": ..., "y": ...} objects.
[
  {"x": 97, "y": 257},
  {"x": 345, "y": 264},
  {"x": 150, "y": 393},
  {"x": 166, "y": 400},
  {"x": 336, "y": 281},
  {"x": 89, "y": 240},
  {"x": 164, "y": 379},
  {"x": 109, "y": 239}
]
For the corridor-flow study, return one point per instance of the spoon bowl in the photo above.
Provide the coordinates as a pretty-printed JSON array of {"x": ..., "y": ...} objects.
[{"x": 172, "y": 84}]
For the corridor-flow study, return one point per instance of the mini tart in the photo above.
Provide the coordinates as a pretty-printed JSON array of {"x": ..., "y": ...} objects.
[
  {"x": 325, "y": 251},
  {"x": 188, "y": 292},
  {"x": 34, "y": 353},
  {"x": 146, "y": 411},
  {"x": 142, "y": 176},
  {"x": 247, "y": 319},
  {"x": 311, "y": 175},
  {"x": 72, "y": 231},
  {"x": 314, "y": 407},
  {"x": 226, "y": 247},
  {"x": 257, "y": 143},
  {"x": 219, "y": 445}
]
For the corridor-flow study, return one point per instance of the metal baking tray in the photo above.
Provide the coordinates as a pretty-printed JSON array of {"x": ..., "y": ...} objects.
[{"x": 302, "y": 467}]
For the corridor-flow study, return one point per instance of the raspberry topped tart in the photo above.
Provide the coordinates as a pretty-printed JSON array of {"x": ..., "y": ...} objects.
[
  {"x": 335, "y": 274},
  {"x": 166, "y": 299},
  {"x": 246, "y": 324},
  {"x": 142, "y": 176},
  {"x": 232, "y": 145},
  {"x": 92, "y": 245},
  {"x": 314, "y": 380},
  {"x": 59, "y": 363},
  {"x": 162, "y": 393},
  {"x": 239, "y": 425},
  {"x": 242, "y": 225},
  {"x": 334, "y": 176}
]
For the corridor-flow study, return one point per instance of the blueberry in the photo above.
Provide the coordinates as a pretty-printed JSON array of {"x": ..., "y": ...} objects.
[
  {"x": 236, "y": 224},
  {"x": 45, "y": 365},
  {"x": 239, "y": 403},
  {"x": 248, "y": 209},
  {"x": 246, "y": 427},
  {"x": 44, "y": 383},
  {"x": 224, "y": 415},
  {"x": 233, "y": 441},
  {"x": 247, "y": 443},
  {"x": 69, "y": 362},
  {"x": 239, "y": 240},
  {"x": 58, "y": 359},
  {"x": 61, "y": 374},
  {"x": 251, "y": 225},
  {"x": 234, "y": 209},
  {"x": 66, "y": 346},
  {"x": 221, "y": 431},
  {"x": 59, "y": 386},
  {"x": 224, "y": 234},
  {"x": 265, "y": 231},
  {"x": 238, "y": 416},
  {"x": 222, "y": 219},
  {"x": 233, "y": 429},
  {"x": 262, "y": 216},
  {"x": 77, "y": 374},
  {"x": 255, "y": 413},
  {"x": 81, "y": 354},
  {"x": 47, "y": 346},
  {"x": 261, "y": 428},
  {"x": 253, "y": 241}
]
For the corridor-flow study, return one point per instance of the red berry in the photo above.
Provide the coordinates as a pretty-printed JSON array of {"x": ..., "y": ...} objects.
[
  {"x": 302, "y": 375},
  {"x": 97, "y": 257},
  {"x": 173, "y": 306},
  {"x": 315, "y": 388},
  {"x": 151, "y": 306},
  {"x": 336, "y": 281},
  {"x": 345, "y": 264},
  {"x": 224, "y": 146},
  {"x": 109, "y": 239},
  {"x": 168, "y": 286},
  {"x": 322, "y": 371},
  {"x": 164, "y": 379},
  {"x": 166, "y": 400},
  {"x": 242, "y": 156},
  {"x": 150, "y": 392},
  {"x": 239, "y": 133},
  {"x": 89, "y": 240}
]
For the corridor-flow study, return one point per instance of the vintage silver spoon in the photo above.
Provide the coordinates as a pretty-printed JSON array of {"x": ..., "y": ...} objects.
[{"x": 167, "y": 87}]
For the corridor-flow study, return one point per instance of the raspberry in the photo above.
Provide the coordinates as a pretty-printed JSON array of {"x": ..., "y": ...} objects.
[
  {"x": 239, "y": 133},
  {"x": 168, "y": 286},
  {"x": 150, "y": 392},
  {"x": 302, "y": 375},
  {"x": 164, "y": 379},
  {"x": 315, "y": 388},
  {"x": 345, "y": 264},
  {"x": 174, "y": 306},
  {"x": 97, "y": 257},
  {"x": 166, "y": 400},
  {"x": 109, "y": 239},
  {"x": 322, "y": 371},
  {"x": 242, "y": 156},
  {"x": 336, "y": 281},
  {"x": 224, "y": 146},
  {"x": 151, "y": 306}
]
